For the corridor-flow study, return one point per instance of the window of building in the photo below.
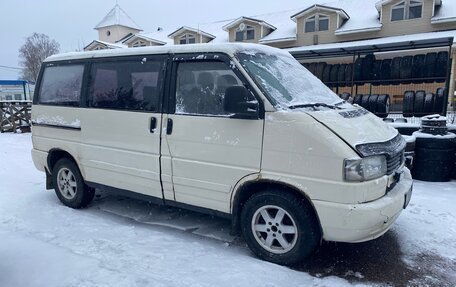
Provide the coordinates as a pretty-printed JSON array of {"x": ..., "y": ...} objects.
[
  {"x": 248, "y": 33},
  {"x": 187, "y": 39},
  {"x": 139, "y": 43},
  {"x": 201, "y": 87},
  {"x": 61, "y": 85},
  {"x": 126, "y": 85},
  {"x": 18, "y": 97},
  {"x": 317, "y": 23},
  {"x": 99, "y": 47},
  {"x": 405, "y": 10}
]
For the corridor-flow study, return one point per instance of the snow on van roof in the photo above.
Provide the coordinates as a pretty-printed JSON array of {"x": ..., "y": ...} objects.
[{"x": 228, "y": 48}]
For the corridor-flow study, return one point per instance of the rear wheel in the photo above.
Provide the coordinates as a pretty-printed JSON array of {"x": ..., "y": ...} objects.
[
  {"x": 280, "y": 227},
  {"x": 69, "y": 185}
]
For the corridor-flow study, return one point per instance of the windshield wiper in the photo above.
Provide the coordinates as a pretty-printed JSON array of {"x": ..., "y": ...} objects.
[{"x": 315, "y": 105}]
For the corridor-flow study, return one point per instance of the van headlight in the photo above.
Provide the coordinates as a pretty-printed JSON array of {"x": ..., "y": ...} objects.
[{"x": 366, "y": 168}]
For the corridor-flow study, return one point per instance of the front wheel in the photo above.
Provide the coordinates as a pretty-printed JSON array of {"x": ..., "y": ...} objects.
[
  {"x": 280, "y": 227},
  {"x": 69, "y": 184}
]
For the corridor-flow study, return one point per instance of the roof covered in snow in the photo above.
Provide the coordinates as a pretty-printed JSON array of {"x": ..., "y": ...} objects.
[
  {"x": 227, "y": 48},
  {"x": 159, "y": 36},
  {"x": 360, "y": 15},
  {"x": 445, "y": 12},
  {"x": 117, "y": 16},
  {"x": 184, "y": 29},
  {"x": 104, "y": 44},
  {"x": 421, "y": 40}
]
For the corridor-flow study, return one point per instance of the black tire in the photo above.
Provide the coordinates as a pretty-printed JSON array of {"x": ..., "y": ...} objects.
[
  {"x": 372, "y": 106},
  {"x": 349, "y": 74},
  {"x": 334, "y": 75},
  {"x": 358, "y": 70},
  {"x": 383, "y": 105},
  {"x": 434, "y": 154},
  {"x": 341, "y": 75},
  {"x": 441, "y": 67},
  {"x": 439, "y": 99},
  {"x": 306, "y": 238},
  {"x": 82, "y": 196},
  {"x": 311, "y": 67},
  {"x": 418, "y": 106},
  {"x": 406, "y": 131},
  {"x": 418, "y": 68},
  {"x": 401, "y": 120},
  {"x": 326, "y": 74},
  {"x": 368, "y": 64},
  {"x": 407, "y": 104},
  {"x": 377, "y": 72},
  {"x": 319, "y": 69},
  {"x": 345, "y": 96},
  {"x": 365, "y": 101},
  {"x": 406, "y": 69},
  {"x": 429, "y": 67},
  {"x": 434, "y": 143},
  {"x": 396, "y": 71},
  {"x": 386, "y": 71},
  {"x": 358, "y": 100},
  {"x": 429, "y": 103},
  {"x": 431, "y": 170}
]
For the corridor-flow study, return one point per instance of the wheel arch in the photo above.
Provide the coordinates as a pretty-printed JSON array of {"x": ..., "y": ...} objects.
[
  {"x": 55, "y": 155},
  {"x": 250, "y": 186}
]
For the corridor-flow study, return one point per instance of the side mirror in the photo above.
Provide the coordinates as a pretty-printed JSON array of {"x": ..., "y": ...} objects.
[{"x": 239, "y": 102}]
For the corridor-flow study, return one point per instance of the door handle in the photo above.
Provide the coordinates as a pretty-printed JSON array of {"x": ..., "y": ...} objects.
[
  {"x": 153, "y": 124},
  {"x": 169, "y": 127}
]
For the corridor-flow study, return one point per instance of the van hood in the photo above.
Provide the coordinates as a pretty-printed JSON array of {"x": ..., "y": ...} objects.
[{"x": 355, "y": 126}]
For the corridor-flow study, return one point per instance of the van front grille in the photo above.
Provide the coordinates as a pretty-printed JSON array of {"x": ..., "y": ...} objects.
[
  {"x": 393, "y": 149},
  {"x": 394, "y": 161}
]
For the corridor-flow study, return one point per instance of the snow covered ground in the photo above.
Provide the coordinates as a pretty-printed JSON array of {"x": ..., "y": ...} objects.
[{"x": 124, "y": 242}]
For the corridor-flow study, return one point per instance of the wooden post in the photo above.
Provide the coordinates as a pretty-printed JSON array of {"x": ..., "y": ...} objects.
[{"x": 25, "y": 91}]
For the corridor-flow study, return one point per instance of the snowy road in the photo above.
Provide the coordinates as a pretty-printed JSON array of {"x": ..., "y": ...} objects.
[{"x": 124, "y": 242}]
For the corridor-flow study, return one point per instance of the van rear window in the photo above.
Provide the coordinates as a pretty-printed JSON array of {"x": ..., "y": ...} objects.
[{"x": 61, "y": 85}]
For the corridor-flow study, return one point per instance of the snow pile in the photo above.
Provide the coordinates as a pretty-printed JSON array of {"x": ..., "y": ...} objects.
[
  {"x": 123, "y": 242},
  {"x": 44, "y": 243}
]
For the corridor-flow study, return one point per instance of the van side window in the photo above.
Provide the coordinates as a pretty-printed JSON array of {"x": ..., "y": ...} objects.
[
  {"x": 200, "y": 87},
  {"x": 61, "y": 85},
  {"x": 126, "y": 85}
]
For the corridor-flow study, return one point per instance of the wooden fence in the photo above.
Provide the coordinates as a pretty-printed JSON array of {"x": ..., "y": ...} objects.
[{"x": 14, "y": 116}]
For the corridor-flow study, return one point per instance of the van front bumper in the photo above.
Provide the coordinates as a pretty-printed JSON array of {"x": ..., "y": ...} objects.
[{"x": 365, "y": 221}]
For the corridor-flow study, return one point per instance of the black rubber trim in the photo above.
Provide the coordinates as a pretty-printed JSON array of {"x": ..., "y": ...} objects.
[
  {"x": 157, "y": 200},
  {"x": 65, "y": 127}
]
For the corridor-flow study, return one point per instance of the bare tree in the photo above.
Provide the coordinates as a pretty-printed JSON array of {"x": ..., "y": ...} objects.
[{"x": 36, "y": 48}]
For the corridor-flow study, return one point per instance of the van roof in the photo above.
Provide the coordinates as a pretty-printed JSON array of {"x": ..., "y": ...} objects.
[{"x": 228, "y": 48}]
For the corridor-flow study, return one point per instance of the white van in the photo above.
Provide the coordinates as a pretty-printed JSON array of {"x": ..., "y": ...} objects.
[{"x": 241, "y": 131}]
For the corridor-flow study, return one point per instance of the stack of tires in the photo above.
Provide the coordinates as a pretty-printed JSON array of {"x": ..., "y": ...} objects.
[
  {"x": 376, "y": 104},
  {"x": 434, "y": 150},
  {"x": 418, "y": 69},
  {"x": 420, "y": 103}
]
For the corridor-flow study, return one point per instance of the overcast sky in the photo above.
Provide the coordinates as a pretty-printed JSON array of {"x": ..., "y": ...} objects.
[{"x": 71, "y": 22}]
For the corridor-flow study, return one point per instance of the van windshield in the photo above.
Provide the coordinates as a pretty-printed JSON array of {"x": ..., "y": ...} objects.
[{"x": 285, "y": 81}]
